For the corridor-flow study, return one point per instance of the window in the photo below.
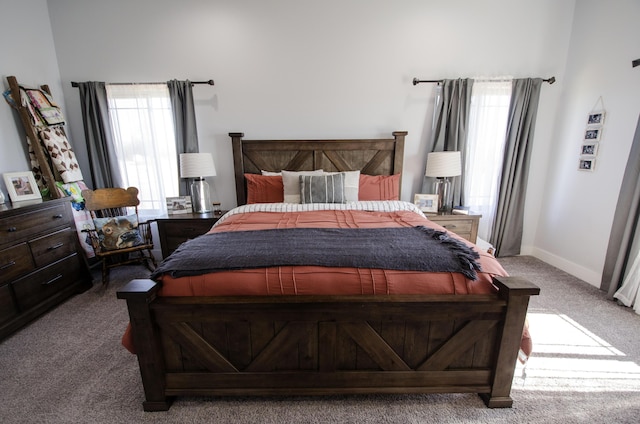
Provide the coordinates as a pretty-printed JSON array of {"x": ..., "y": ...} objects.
[
  {"x": 485, "y": 149},
  {"x": 144, "y": 141}
]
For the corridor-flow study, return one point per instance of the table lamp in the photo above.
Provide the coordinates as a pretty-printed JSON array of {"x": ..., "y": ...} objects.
[
  {"x": 198, "y": 166},
  {"x": 443, "y": 165}
]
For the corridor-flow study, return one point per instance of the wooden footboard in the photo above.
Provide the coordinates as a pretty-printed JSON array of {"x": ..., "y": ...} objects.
[{"x": 325, "y": 345}]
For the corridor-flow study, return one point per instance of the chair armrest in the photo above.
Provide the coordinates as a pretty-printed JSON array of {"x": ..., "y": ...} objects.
[
  {"x": 94, "y": 239},
  {"x": 145, "y": 232}
]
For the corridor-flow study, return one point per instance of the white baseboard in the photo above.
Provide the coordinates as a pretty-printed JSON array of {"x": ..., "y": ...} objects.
[{"x": 588, "y": 275}]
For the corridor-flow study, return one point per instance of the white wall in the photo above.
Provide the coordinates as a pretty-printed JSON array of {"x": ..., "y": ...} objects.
[
  {"x": 28, "y": 53},
  {"x": 291, "y": 68},
  {"x": 578, "y": 207}
]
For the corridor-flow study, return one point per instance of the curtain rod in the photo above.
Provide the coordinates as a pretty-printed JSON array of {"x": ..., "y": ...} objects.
[
  {"x": 417, "y": 81},
  {"x": 210, "y": 82}
]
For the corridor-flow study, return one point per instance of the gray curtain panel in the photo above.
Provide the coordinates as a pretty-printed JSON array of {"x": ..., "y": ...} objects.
[
  {"x": 184, "y": 122},
  {"x": 506, "y": 236},
  {"x": 450, "y": 128},
  {"x": 98, "y": 136},
  {"x": 625, "y": 222}
]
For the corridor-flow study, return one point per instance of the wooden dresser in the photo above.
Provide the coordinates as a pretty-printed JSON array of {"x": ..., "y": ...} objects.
[{"x": 41, "y": 263}]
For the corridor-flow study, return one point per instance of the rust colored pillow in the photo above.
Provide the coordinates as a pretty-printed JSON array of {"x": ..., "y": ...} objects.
[
  {"x": 264, "y": 189},
  {"x": 379, "y": 187}
]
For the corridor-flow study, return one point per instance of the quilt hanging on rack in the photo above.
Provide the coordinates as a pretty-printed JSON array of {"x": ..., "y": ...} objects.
[{"x": 47, "y": 119}]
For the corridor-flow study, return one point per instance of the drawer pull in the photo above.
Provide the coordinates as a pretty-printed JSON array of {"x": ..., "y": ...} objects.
[
  {"x": 53, "y": 280},
  {"x": 12, "y": 229},
  {"x": 451, "y": 226},
  {"x": 59, "y": 216},
  {"x": 55, "y": 246},
  {"x": 8, "y": 265}
]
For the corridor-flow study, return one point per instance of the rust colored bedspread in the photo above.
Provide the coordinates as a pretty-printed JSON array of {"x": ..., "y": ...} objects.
[
  {"x": 314, "y": 280},
  {"x": 306, "y": 280}
]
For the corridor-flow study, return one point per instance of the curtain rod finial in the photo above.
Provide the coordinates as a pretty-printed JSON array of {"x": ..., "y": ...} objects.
[{"x": 415, "y": 81}]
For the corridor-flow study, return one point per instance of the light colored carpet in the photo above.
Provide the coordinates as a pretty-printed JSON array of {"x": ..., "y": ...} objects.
[{"x": 69, "y": 367}]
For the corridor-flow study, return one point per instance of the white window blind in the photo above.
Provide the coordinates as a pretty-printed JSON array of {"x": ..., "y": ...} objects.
[{"x": 144, "y": 142}]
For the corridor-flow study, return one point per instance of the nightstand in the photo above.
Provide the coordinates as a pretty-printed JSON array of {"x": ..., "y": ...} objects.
[
  {"x": 465, "y": 226},
  {"x": 175, "y": 229}
]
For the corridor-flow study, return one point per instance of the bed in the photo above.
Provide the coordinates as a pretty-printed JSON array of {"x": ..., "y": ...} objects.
[{"x": 289, "y": 329}]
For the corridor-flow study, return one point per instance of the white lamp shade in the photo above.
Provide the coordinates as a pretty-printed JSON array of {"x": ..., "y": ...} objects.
[
  {"x": 196, "y": 165},
  {"x": 443, "y": 164}
]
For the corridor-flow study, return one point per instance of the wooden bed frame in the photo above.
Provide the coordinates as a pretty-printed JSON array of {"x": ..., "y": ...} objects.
[{"x": 326, "y": 345}]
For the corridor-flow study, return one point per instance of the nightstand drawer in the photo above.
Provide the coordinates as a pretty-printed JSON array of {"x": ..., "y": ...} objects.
[
  {"x": 186, "y": 229},
  {"x": 458, "y": 227},
  {"x": 175, "y": 230},
  {"x": 14, "y": 262},
  {"x": 47, "y": 282},
  {"x": 466, "y": 226}
]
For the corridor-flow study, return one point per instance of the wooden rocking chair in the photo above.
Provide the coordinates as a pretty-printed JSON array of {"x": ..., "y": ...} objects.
[{"x": 119, "y": 238}]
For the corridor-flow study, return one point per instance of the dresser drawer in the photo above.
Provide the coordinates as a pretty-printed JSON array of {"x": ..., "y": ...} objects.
[
  {"x": 45, "y": 283},
  {"x": 32, "y": 223},
  {"x": 52, "y": 247},
  {"x": 14, "y": 262},
  {"x": 8, "y": 308}
]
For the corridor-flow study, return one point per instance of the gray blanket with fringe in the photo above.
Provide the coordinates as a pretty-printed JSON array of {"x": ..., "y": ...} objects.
[{"x": 407, "y": 249}]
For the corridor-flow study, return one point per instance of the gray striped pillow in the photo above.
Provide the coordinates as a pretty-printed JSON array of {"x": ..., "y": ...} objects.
[{"x": 322, "y": 188}]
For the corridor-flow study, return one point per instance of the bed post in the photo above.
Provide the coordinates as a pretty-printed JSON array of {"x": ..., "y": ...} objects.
[
  {"x": 238, "y": 166},
  {"x": 516, "y": 291},
  {"x": 139, "y": 294},
  {"x": 398, "y": 154}
]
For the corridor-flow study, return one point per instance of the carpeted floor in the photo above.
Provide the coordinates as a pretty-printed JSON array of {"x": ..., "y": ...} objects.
[{"x": 69, "y": 367}]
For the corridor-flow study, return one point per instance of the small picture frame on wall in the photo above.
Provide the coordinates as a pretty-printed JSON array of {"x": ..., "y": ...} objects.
[
  {"x": 179, "y": 204},
  {"x": 586, "y": 164},
  {"x": 592, "y": 134},
  {"x": 596, "y": 118},
  {"x": 21, "y": 186},
  {"x": 589, "y": 149},
  {"x": 427, "y": 203}
]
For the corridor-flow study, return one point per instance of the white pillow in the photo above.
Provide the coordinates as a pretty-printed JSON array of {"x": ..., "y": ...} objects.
[
  {"x": 351, "y": 184},
  {"x": 291, "y": 183}
]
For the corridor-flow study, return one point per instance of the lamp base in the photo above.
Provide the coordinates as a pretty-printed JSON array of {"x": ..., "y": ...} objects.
[
  {"x": 201, "y": 196},
  {"x": 442, "y": 187}
]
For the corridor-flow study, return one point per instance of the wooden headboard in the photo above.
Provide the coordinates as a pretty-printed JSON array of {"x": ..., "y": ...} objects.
[{"x": 370, "y": 156}]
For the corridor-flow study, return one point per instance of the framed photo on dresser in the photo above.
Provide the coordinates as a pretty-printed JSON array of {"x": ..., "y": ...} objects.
[{"x": 21, "y": 186}]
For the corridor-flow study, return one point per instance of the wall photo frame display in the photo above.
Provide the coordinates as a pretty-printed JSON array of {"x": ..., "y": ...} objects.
[
  {"x": 586, "y": 164},
  {"x": 596, "y": 118},
  {"x": 21, "y": 186},
  {"x": 592, "y": 134},
  {"x": 591, "y": 138},
  {"x": 589, "y": 149}
]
